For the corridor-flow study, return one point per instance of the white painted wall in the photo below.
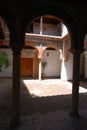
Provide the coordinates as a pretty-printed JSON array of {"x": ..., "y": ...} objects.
[
  {"x": 53, "y": 67},
  {"x": 64, "y": 30},
  {"x": 7, "y": 72},
  {"x": 67, "y": 68}
]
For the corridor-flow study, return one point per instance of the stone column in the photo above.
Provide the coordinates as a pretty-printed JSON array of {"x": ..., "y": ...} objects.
[
  {"x": 39, "y": 68},
  {"x": 75, "y": 82},
  {"x": 41, "y": 25},
  {"x": 16, "y": 86},
  {"x": 63, "y": 68},
  {"x": 17, "y": 37}
]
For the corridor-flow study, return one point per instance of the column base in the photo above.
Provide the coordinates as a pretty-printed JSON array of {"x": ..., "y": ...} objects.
[
  {"x": 14, "y": 123},
  {"x": 74, "y": 114}
]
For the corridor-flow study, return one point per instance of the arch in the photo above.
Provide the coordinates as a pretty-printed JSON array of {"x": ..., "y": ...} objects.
[
  {"x": 29, "y": 61},
  {"x": 6, "y": 15},
  {"x": 57, "y": 12},
  {"x": 55, "y": 48},
  {"x": 32, "y": 46},
  {"x": 51, "y": 55}
]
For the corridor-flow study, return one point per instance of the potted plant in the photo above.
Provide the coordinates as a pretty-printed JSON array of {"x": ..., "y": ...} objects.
[
  {"x": 4, "y": 60},
  {"x": 44, "y": 64}
]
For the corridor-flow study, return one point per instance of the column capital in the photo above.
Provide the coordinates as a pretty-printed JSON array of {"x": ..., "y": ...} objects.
[
  {"x": 39, "y": 56},
  {"x": 76, "y": 51},
  {"x": 17, "y": 39},
  {"x": 16, "y": 48}
]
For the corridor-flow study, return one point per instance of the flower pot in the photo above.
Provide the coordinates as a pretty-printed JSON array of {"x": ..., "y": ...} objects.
[{"x": 42, "y": 76}]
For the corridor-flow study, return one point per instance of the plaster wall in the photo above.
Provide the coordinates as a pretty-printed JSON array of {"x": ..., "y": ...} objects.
[
  {"x": 53, "y": 67},
  {"x": 67, "y": 68},
  {"x": 64, "y": 30}
]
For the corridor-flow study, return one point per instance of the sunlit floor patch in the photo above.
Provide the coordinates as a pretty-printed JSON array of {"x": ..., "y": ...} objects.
[
  {"x": 36, "y": 91},
  {"x": 50, "y": 87},
  {"x": 81, "y": 89}
]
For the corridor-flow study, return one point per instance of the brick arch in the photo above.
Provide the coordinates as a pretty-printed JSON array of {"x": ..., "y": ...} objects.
[
  {"x": 38, "y": 49},
  {"x": 30, "y": 45},
  {"x": 56, "y": 48}
]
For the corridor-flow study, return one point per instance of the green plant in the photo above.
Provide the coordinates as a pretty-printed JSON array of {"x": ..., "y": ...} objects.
[
  {"x": 44, "y": 64},
  {"x": 4, "y": 60}
]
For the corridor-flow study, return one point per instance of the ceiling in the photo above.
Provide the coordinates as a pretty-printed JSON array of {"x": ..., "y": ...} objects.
[{"x": 49, "y": 19}]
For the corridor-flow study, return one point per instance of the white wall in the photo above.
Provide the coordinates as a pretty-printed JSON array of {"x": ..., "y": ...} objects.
[
  {"x": 67, "y": 68},
  {"x": 7, "y": 72},
  {"x": 53, "y": 67},
  {"x": 64, "y": 30}
]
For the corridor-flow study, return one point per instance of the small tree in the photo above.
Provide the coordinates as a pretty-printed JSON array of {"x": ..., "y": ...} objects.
[
  {"x": 4, "y": 60},
  {"x": 44, "y": 64}
]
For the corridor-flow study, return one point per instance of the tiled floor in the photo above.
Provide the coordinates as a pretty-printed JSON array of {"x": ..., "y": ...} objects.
[{"x": 44, "y": 105}]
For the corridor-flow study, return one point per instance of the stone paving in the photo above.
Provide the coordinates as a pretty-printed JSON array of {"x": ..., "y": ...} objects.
[{"x": 45, "y": 105}]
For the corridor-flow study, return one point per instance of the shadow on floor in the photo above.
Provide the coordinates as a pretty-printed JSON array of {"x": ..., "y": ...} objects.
[{"x": 31, "y": 104}]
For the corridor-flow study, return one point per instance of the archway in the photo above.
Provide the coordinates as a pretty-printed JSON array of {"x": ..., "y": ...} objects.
[
  {"x": 49, "y": 31},
  {"x": 41, "y": 43},
  {"x": 49, "y": 25},
  {"x": 29, "y": 62},
  {"x": 52, "y": 57}
]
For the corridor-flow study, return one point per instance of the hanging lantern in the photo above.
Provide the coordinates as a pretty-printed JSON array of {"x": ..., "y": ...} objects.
[{"x": 47, "y": 53}]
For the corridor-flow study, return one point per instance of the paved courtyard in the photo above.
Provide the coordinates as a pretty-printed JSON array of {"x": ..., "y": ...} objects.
[{"x": 44, "y": 105}]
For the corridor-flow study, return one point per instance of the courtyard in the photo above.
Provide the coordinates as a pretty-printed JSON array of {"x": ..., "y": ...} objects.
[{"x": 44, "y": 105}]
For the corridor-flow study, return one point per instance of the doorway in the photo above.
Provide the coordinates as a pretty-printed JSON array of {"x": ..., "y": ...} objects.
[{"x": 27, "y": 67}]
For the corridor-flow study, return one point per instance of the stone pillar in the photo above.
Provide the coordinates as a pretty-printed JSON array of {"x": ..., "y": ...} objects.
[
  {"x": 39, "y": 68},
  {"x": 63, "y": 68},
  {"x": 17, "y": 37},
  {"x": 75, "y": 82},
  {"x": 16, "y": 86},
  {"x": 35, "y": 65},
  {"x": 41, "y": 25}
]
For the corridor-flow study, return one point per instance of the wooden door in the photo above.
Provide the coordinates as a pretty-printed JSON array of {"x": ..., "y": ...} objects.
[{"x": 27, "y": 67}]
